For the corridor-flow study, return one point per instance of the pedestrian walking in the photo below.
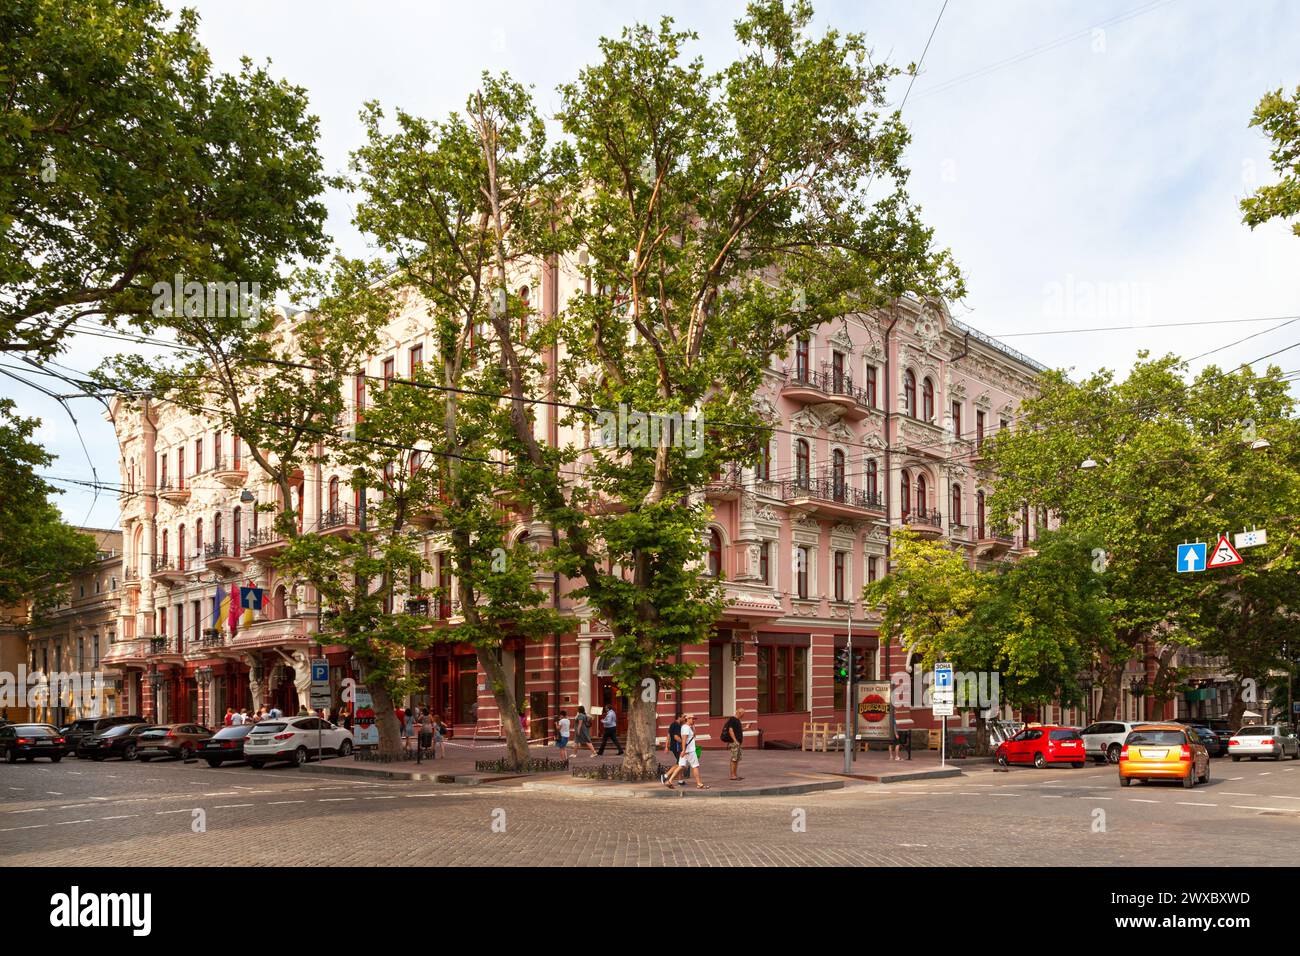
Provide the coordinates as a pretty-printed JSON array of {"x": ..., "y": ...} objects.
[
  {"x": 408, "y": 727},
  {"x": 582, "y": 731},
  {"x": 439, "y": 736},
  {"x": 894, "y": 741},
  {"x": 733, "y": 735},
  {"x": 345, "y": 715},
  {"x": 609, "y": 725},
  {"x": 562, "y": 734},
  {"x": 425, "y": 728},
  {"x": 689, "y": 758},
  {"x": 674, "y": 744},
  {"x": 230, "y": 714}
]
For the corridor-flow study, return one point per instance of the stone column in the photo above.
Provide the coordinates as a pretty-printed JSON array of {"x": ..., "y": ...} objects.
[{"x": 584, "y": 671}]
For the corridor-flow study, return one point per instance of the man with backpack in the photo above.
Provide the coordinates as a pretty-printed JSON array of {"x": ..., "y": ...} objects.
[{"x": 733, "y": 735}]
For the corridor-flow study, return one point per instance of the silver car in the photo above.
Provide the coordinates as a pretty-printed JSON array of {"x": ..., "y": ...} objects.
[
  {"x": 1103, "y": 740},
  {"x": 1265, "y": 740}
]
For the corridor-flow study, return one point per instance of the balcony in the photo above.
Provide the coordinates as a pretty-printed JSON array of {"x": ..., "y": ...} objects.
[
  {"x": 164, "y": 645},
  {"x": 726, "y": 485},
  {"x": 229, "y": 472},
  {"x": 264, "y": 542},
  {"x": 827, "y": 387},
  {"x": 205, "y": 644},
  {"x": 341, "y": 520},
  {"x": 828, "y": 497},
  {"x": 165, "y": 570},
  {"x": 174, "y": 492},
  {"x": 220, "y": 556},
  {"x": 131, "y": 579},
  {"x": 993, "y": 543},
  {"x": 927, "y": 524}
]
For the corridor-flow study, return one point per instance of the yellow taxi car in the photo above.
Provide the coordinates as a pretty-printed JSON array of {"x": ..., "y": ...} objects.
[{"x": 1164, "y": 752}]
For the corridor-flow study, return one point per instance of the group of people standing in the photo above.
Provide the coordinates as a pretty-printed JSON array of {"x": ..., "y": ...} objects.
[
  {"x": 683, "y": 743},
  {"x": 427, "y": 728},
  {"x": 237, "y": 718}
]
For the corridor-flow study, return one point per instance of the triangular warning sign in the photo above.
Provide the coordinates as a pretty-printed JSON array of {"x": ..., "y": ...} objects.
[{"x": 1224, "y": 554}]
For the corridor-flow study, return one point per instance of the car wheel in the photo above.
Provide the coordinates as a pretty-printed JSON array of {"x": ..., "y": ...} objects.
[
  {"x": 1112, "y": 753},
  {"x": 98, "y": 758},
  {"x": 1126, "y": 781},
  {"x": 186, "y": 751},
  {"x": 1079, "y": 764},
  {"x": 214, "y": 763},
  {"x": 142, "y": 758},
  {"x": 256, "y": 764},
  {"x": 11, "y": 756},
  {"x": 1040, "y": 761},
  {"x": 1002, "y": 760},
  {"x": 1235, "y": 759},
  {"x": 1206, "y": 777},
  {"x": 301, "y": 756},
  {"x": 128, "y": 752},
  {"x": 1189, "y": 781},
  {"x": 345, "y": 748},
  {"x": 56, "y": 758}
]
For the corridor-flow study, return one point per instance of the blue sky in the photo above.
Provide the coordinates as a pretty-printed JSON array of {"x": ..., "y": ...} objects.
[{"x": 1083, "y": 161}]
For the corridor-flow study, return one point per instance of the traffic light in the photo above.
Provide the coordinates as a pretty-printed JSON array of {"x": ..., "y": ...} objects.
[
  {"x": 859, "y": 666},
  {"x": 842, "y": 665}
]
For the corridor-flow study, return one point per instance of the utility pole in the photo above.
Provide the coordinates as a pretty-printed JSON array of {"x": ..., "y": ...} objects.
[{"x": 850, "y": 731}]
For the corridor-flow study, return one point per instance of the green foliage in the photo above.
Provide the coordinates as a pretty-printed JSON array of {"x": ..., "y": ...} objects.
[
  {"x": 38, "y": 550},
  {"x": 1279, "y": 117},
  {"x": 124, "y": 161}
]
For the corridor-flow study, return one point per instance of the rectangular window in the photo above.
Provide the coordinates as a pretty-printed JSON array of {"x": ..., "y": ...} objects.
[
  {"x": 873, "y": 568},
  {"x": 782, "y": 679},
  {"x": 764, "y": 562},
  {"x": 196, "y": 612},
  {"x": 871, "y": 386},
  {"x": 979, "y": 429},
  {"x": 839, "y": 575},
  {"x": 716, "y": 657},
  {"x": 390, "y": 371},
  {"x": 180, "y": 467},
  {"x": 837, "y": 371},
  {"x": 1003, "y": 424},
  {"x": 198, "y": 455},
  {"x": 162, "y": 470},
  {"x": 417, "y": 358},
  {"x": 444, "y": 583},
  {"x": 359, "y": 393},
  {"x": 801, "y": 572},
  {"x": 956, "y": 419},
  {"x": 764, "y": 467}
]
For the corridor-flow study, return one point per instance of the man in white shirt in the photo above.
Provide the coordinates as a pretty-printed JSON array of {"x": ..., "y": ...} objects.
[
  {"x": 689, "y": 758},
  {"x": 609, "y": 726},
  {"x": 562, "y": 733},
  {"x": 236, "y": 719},
  {"x": 274, "y": 712}
]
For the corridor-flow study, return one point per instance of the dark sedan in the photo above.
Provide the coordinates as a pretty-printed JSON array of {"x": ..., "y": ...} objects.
[
  {"x": 120, "y": 741},
  {"x": 1215, "y": 743},
  {"x": 85, "y": 727},
  {"x": 225, "y": 746},
  {"x": 30, "y": 741}
]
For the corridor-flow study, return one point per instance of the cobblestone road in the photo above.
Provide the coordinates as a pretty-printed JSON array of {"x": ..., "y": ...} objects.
[{"x": 83, "y": 813}]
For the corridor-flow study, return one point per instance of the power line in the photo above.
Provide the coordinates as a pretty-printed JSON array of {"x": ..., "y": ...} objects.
[{"x": 1126, "y": 328}]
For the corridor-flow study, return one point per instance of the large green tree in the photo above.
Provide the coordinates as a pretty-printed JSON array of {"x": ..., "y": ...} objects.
[
  {"x": 1278, "y": 115},
  {"x": 38, "y": 549},
  {"x": 719, "y": 214},
  {"x": 125, "y": 161}
]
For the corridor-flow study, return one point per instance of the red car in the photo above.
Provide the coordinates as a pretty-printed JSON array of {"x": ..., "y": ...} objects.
[{"x": 1043, "y": 745}]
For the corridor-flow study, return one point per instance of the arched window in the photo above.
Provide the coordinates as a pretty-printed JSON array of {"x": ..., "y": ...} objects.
[
  {"x": 956, "y": 504},
  {"x": 278, "y": 605},
  {"x": 873, "y": 479},
  {"x": 909, "y": 393},
  {"x": 334, "y": 496},
  {"x": 180, "y": 548},
  {"x": 715, "y": 553},
  {"x": 198, "y": 538},
  {"x": 979, "y": 514},
  {"x": 164, "y": 545},
  {"x": 905, "y": 494},
  {"x": 922, "y": 495},
  {"x": 927, "y": 399},
  {"x": 802, "y": 463},
  {"x": 216, "y": 531},
  {"x": 235, "y": 521},
  {"x": 837, "y": 473},
  {"x": 801, "y": 571}
]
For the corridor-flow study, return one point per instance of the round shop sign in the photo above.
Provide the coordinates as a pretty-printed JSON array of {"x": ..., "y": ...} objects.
[{"x": 873, "y": 708}]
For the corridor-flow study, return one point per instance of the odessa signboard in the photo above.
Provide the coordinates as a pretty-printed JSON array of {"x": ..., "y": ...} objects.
[{"x": 873, "y": 709}]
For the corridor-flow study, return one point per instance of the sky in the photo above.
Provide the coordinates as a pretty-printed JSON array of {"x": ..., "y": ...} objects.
[{"x": 1083, "y": 161}]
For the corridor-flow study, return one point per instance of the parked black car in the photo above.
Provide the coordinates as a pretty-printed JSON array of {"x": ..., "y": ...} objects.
[
  {"x": 1215, "y": 742},
  {"x": 119, "y": 741},
  {"x": 30, "y": 741},
  {"x": 89, "y": 726},
  {"x": 227, "y": 745}
]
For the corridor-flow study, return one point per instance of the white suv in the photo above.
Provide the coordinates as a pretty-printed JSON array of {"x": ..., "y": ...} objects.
[
  {"x": 294, "y": 739},
  {"x": 1104, "y": 740}
]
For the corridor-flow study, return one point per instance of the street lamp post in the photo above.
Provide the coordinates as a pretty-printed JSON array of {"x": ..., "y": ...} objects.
[
  {"x": 155, "y": 684},
  {"x": 1137, "y": 687},
  {"x": 203, "y": 677}
]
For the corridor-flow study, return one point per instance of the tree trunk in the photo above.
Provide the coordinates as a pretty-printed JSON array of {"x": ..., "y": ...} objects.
[
  {"x": 1108, "y": 709},
  {"x": 639, "y": 748},
  {"x": 981, "y": 734},
  {"x": 1238, "y": 706},
  {"x": 390, "y": 735},
  {"x": 506, "y": 706}
]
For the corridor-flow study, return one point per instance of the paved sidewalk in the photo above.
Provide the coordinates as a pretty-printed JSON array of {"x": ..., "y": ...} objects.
[{"x": 764, "y": 772}]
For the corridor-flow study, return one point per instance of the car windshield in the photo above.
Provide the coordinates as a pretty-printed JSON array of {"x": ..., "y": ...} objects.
[
  {"x": 1165, "y": 738},
  {"x": 1255, "y": 732},
  {"x": 265, "y": 728},
  {"x": 35, "y": 730},
  {"x": 227, "y": 733},
  {"x": 1065, "y": 735},
  {"x": 155, "y": 733},
  {"x": 117, "y": 731}
]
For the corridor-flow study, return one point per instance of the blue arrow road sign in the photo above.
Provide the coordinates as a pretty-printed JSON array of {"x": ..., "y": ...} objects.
[{"x": 1191, "y": 557}]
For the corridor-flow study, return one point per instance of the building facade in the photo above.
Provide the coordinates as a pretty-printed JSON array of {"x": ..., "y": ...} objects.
[{"x": 878, "y": 421}]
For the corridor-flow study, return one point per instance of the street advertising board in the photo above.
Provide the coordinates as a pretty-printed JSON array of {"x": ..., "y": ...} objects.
[
  {"x": 365, "y": 732},
  {"x": 873, "y": 709}
]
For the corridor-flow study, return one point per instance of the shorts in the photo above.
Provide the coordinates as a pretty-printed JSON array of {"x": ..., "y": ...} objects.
[
  {"x": 689, "y": 760},
  {"x": 735, "y": 749},
  {"x": 561, "y": 742}
]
